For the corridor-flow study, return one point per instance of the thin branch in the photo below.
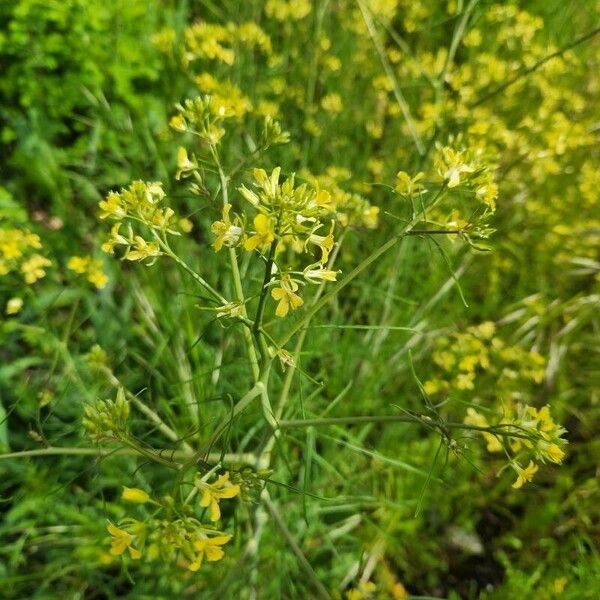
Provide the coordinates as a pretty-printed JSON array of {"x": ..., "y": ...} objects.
[
  {"x": 241, "y": 458},
  {"x": 534, "y": 67},
  {"x": 502, "y": 429},
  {"x": 390, "y": 73},
  {"x": 289, "y": 538}
]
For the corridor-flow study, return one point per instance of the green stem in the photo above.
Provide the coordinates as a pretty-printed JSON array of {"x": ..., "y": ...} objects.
[
  {"x": 152, "y": 415},
  {"x": 301, "y": 323},
  {"x": 502, "y": 429},
  {"x": 523, "y": 73},
  {"x": 239, "y": 293},
  {"x": 289, "y": 538},
  {"x": 151, "y": 455},
  {"x": 235, "y": 271},
  {"x": 169, "y": 252},
  {"x": 265, "y": 288},
  {"x": 241, "y": 458},
  {"x": 256, "y": 391},
  {"x": 264, "y": 460},
  {"x": 392, "y": 76},
  {"x": 459, "y": 32},
  {"x": 434, "y": 232}
]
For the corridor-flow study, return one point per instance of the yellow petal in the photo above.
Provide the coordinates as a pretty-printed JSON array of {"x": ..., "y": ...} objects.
[
  {"x": 135, "y": 553},
  {"x": 135, "y": 495},
  {"x": 215, "y": 511},
  {"x": 282, "y": 308},
  {"x": 218, "y": 243},
  {"x": 115, "y": 531},
  {"x": 252, "y": 242},
  {"x": 261, "y": 223},
  {"x": 214, "y": 553},
  {"x": 219, "y": 540},
  {"x": 200, "y": 544},
  {"x": 118, "y": 547},
  {"x": 230, "y": 492},
  {"x": 194, "y": 566},
  {"x": 206, "y": 498}
]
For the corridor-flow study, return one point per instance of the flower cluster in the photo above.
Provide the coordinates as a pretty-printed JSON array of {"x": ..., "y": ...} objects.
[
  {"x": 185, "y": 541},
  {"x": 226, "y": 96},
  {"x": 461, "y": 170},
  {"x": 107, "y": 418},
  {"x": 124, "y": 537},
  {"x": 287, "y": 10},
  {"x": 203, "y": 116},
  {"x": 213, "y": 493},
  {"x": 139, "y": 204},
  {"x": 351, "y": 208},
  {"x": 17, "y": 254},
  {"x": 477, "y": 352},
  {"x": 212, "y": 41},
  {"x": 90, "y": 267},
  {"x": 291, "y": 220},
  {"x": 539, "y": 438}
]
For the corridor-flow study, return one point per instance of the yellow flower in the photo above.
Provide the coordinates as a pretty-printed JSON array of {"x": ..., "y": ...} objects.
[
  {"x": 559, "y": 585},
  {"x": 286, "y": 296},
  {"x": 268, "y": 184},
  {"x": 112, "y": 207},
  {"x": 184, "y": 165},
  {"x": 317, "y": 274},
  {"x": 135, "y": 495},
  {"x": 488, "y": 194},
  {"x": 486, "y": 329},
  {"x": 477, "y": 419},
  {"x": 405, "y": 184},
  {"x": 324, "y": 242},
  {"x": 433, "y": 386},
  {"x": 209, "y": 548},
  {"x": 451, "y": 165},
  {"x": 79, "y": 264},
  {"x": 33, "y": 269},
  {"x": 97, "y": 277},
  {"x": 332, "y": 103},
  {"x": 185, "y": 225},
  {"x": 154, "y": 192},
  {"x": 323, "y": 199},
  {"x": 227, "y": 233},
  {"x": 178, "y": 123},
  {"x": 524, "y": 475},
  {"x": 264, "y": 233},
  {"x": 399, "y": 592},
  {"x": 143, "y": 249},
  {"x": 10, "y": 249},
  {"x": 91, "y": 267},
  {"x": 13, "y": 306},
  {"x": 464, "y": 381},
  {"x": 232, "y": 310},
  {"x": 213, "y": 493},
  {"x": 121, "y": 541},
  {"x": 555, "y": 453},
  {"x": 364, "y": 590},
  {"x": 115, "y": 239},
  {"x": 370, "y": 217}
]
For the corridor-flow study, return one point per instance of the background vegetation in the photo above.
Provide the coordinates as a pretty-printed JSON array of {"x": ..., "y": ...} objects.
[{"x": 438, "y": 326}]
